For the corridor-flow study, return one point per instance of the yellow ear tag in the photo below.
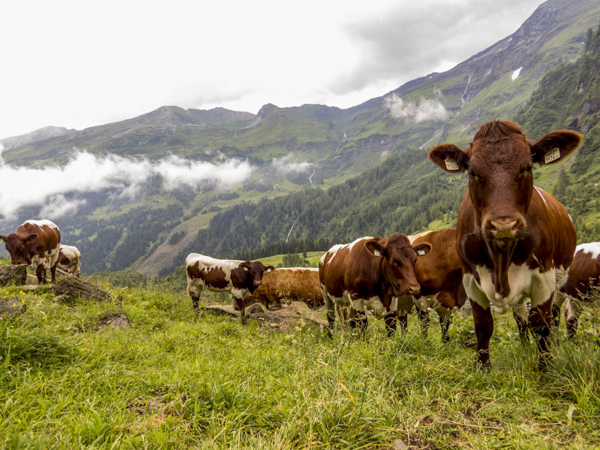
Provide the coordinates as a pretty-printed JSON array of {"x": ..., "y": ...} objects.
[
  {"x": 552, "y": 156},
  {"x": 451, "y": 164}
]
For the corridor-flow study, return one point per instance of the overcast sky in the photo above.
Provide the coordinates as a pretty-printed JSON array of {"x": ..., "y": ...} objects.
[{"x": 83, "y": 63}]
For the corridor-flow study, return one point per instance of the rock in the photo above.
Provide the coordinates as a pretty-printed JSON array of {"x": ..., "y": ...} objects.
[
  {"x": 398, "y": 444},
  {"x": 11, "y": 307},
  {"x": 113, "y": 319},
  {"x": 31, "y": 280},
  {"x": 13, "y": 274},
  {"x": 73, "y": 289},
  {"x": 254, "y": 308}
]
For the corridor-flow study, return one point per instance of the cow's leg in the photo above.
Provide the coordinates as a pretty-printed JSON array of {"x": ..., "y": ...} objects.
[
  {"x": 40, "y": 272},
  {"x": 520, "y": 315},
  {"x": 331, "y": 309},
  {"x": 445, "y": 316},
  {"x": 239, "y": 304},
  {"x": 423, "y": 320},
  {"x": 194, "y": 290},
  {"x": 358, "y": 319},
  {"x": 403, "y": 319},
  {"x": 390, "y": 323},
  {"x": 540, "y": 319},
  {"x": 484, "y": 328},
  {"x": 559, "y": 300},
  {"x": 572, "y": 313},
  {"x": 53, "y": 273}
]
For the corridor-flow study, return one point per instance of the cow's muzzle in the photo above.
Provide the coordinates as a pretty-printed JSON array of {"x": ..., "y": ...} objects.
[
  {"x": 505, "y": 228},
  {"x": 413, "y": 289}
]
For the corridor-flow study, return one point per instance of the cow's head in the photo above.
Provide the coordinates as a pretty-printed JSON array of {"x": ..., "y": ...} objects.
[
  {"x": 398, "y": 264},
  {"x": 253, "y": 273},
  {"x": 499, "y": 162},
  {"x": 19, "y": 246}
]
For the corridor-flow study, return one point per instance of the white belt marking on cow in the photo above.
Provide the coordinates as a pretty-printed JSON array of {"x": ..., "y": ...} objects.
[
  {"x": 524, "y": 283},
  {"x": 591, "y": 247}
]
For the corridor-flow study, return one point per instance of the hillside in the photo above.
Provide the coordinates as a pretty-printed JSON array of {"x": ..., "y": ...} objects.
[{"x": 332, "y": 161}]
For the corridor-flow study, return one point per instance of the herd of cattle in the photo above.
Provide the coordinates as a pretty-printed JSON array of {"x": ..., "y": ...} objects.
[{"x": 513, "y": 244}]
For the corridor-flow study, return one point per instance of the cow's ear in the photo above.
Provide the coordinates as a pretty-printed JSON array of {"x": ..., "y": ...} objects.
[
  {"x": 32, "y": 237},
  {"x": 422, "y": 249},
  {"x": 245, "y": 265},
  {"x": 2, "y": 239},
  {"x": 374, "y": 247},
  {"x": 449, "y": 158},
  {"x": 269, "y": 268},
  {"x": 554, "y": 146}
]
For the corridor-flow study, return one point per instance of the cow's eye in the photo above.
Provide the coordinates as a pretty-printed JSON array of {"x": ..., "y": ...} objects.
[
  {"x": 528, "y": 168},
  {"x": 472, "y": 173}
]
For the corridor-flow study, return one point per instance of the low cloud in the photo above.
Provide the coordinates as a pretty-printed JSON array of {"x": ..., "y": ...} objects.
[
  {"x": 48, "y": 187},
  {"x": 426, "y": 109},
  {"x": 286, "y": 165}
]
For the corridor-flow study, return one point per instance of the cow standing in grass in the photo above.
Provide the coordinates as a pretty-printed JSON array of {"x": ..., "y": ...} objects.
[
  {"x": 239, "y": 278},
  {"x": 69, "y": 260},
  {"x": 584, "y": 276},
  {"x": 288, "y": 284},
  {"x": 514, "y": 240},
  {"x": 369, "y": 273},
  {"x": 440, "y": 275},
  {"x": 37, "y": 244}
]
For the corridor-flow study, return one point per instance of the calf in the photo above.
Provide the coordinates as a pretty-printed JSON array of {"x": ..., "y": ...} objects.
[
  {"x": 514, "y": 240},
  {"x": 240, "y": 278},
  {"x": 288, "y": 284},
  {"x": 440, "y": 275},
  {"x": 369, "y": 272},
  {"x": 69, "y": 259},
  {"x": 584, "y": 275},
  {"x": 36, "y": 243}
]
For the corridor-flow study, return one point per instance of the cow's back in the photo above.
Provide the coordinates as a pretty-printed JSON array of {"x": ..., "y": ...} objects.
[
  {"x": 49, "y": 236},
  {"x": 584, "y": 271},
  {"x": 347, "y": 268},
  {"x": 284, "y": 285}
]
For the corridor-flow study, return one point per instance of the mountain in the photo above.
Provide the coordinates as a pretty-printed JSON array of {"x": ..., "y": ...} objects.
[
  {"x": 319, "y": 174},
  {"x": 38, "y": 135}
]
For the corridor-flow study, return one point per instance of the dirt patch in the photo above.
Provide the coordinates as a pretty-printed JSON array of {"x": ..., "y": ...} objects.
[
  {"x": 116, "y": 319},
  {"x": 290, "y": 316}
]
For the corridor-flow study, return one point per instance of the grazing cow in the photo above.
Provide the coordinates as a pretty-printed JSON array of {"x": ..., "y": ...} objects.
[
  {"x": 69, "y": 259},
  {"x": 288, "y": 284},
  {"x": 221, "y": 275},
  {"x": 36, "y": 243},
  {"x": 369, "y": 272},
  {"x": 584, "y": 274},
  {"x": 440, "y": 275},
  {"x": 514, "y": 240}
]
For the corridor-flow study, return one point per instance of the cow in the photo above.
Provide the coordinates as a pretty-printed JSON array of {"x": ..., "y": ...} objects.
[
  {"x": 440, "y": 275},
  {"x": 515, "y": 241},
  {"x": 240, "y": 278},
  {"x": 36, "y": 243},
  {"x": 584, "y": 276},
  {"x": 69, "y": 260},
  {"x": 370, "y": 272},
  {"x": 287, "y": 284}
]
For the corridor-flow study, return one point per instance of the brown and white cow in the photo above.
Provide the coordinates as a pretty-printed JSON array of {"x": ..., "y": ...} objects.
[
  {"x": 440, "y": 275},
  {"x": 37, "y": 244},
  {"x": 69, "y": 259},
  {"x": 584, "y": 274},
  {"x": 240, "y": 278},
  {"x": 287, "y": 284},
  {"x": 514, "y": 240},
  {"x": 370, "y": 272}
]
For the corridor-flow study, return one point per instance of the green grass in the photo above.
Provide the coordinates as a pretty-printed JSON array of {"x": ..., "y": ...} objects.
[
  {"x": 313, "y": 259},
  {"x": 176, "y": 380}
]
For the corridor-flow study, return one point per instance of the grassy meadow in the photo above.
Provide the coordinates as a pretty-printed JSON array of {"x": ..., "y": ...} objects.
[{"x": 174, "y": 379}]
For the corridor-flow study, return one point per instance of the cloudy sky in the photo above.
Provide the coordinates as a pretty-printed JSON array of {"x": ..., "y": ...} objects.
[{"x": 83, "y": 63}]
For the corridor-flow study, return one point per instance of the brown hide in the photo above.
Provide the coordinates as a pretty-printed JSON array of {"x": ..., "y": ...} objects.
[
  {"x": 440, "y": 271},
  {"x": 583, "y": 273},
  {"x": 285, "y": 285}
]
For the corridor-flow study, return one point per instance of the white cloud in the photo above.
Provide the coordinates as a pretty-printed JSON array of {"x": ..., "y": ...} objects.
[
  {"x": 23, "y": 186},
  {"x": 285, "y": 165},
  {"x": 426, "y": 109}
]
